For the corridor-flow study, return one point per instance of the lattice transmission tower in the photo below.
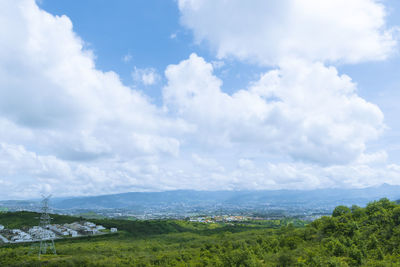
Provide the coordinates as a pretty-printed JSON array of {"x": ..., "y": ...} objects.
[{"x": 46, "y": 240}]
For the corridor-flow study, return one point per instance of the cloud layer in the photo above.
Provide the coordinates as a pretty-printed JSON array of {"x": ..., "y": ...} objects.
[
  {"x": 51, "y": 87},
  {"x": 305, "y": 111},
  {"x": 266, "y": 32},
  {"x": 53, "y": 100},
  {"x": 70, "y": 129}
]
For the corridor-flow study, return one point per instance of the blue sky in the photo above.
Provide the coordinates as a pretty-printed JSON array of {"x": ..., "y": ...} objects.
[
  {"x": 103, "y": 97},
  {"x": 148, "y": 31}
]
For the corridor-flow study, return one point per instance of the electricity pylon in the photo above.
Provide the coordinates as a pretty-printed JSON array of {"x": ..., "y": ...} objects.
[{"x": 46, "y": 241}]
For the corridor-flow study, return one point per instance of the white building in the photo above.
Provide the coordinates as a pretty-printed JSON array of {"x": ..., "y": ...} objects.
[
  {"x": 113, "y": 230},
  {"x": 90, "y": 224},
  {"x": 100, "y": 227},
  {"x": 39, "y": 233},
  {"x": 91, "y": 231},
  {"x": 75, "y": 226},
  {"x": 1, "y": 227},
  {"x": 59, "y": 229},
  {"x": 73, "y": 233},
  {"x": 20, "y": 236}
]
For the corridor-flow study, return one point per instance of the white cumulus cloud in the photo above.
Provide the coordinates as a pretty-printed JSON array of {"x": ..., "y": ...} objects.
[
  {"x": 147, "y": 76},
  {"x": 50, "y": 85},
  {"x": 266, "y": 31},
  {"x": 56, "y": 106},
  {"x": 306, "y": 111}
]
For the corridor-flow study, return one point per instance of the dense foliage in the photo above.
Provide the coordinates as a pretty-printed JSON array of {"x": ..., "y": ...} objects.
[
  {"x": 353, "y": 236},
  {"x": 12, "y": 220}
]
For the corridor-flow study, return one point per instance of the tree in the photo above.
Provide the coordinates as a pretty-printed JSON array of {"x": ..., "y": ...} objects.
[{"x": 340, "y": 210}]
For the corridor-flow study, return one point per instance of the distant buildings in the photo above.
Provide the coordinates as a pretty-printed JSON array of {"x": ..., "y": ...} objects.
[
  {"x": 53, "y": 231},
  {"x": 59, "y": 229},
  {"x": 20, "y": 236},
  {"x": 89, "y": 224},
  {"x": 222, "y": 218},
  {"x": 100, "y": 227},
  {"x": 40, "y": 233},
  {"x": 73, "y": 233}
]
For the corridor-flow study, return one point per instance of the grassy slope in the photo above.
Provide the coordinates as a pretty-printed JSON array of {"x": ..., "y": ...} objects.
[
  {"x": 171, "y": 249},
  {"x": 138, "y": 243}
]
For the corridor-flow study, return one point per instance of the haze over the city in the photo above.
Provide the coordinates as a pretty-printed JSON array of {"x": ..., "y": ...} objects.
[{"x": 103, "y": 97}]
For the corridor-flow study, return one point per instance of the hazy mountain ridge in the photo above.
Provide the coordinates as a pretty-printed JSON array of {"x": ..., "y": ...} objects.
[{"x": 189, "y": 197}]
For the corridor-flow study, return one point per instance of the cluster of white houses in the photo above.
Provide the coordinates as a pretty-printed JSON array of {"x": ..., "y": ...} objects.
[{"x": 53, "y": 231}]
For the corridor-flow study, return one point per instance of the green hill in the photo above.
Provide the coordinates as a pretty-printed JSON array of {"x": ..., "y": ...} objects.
[
  {"x": 353, "y": 236},
  {"x": 21, "y": 219}
]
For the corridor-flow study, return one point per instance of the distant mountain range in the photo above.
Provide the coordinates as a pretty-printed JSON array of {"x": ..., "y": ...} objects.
[
  {"x": 270, "y": 197},
  {"x": 196, "y": 201}
]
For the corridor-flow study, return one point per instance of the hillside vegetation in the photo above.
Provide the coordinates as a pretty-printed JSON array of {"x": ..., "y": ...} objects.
[{"x": 353, "y": 236}]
